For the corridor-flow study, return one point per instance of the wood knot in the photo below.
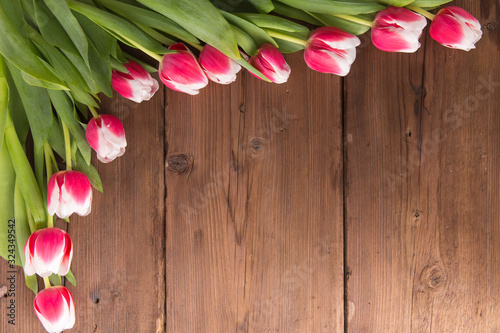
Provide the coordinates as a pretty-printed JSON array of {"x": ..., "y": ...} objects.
[
  {"x": 433, "y": 277},
  {"x": 178, "y": 163},
  {"x": 491, "y": 26},
  {"x": 257, "y": 145}
]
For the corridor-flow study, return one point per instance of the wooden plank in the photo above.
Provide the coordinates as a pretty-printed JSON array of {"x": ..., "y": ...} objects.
[
  {"x": 422, "y": 210},
  {"x": 119, "y": 248},
  {"x": 254, "y": 206}
]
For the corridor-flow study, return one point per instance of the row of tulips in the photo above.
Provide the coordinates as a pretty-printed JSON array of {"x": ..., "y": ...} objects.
[{"x": 328, "y": 49}]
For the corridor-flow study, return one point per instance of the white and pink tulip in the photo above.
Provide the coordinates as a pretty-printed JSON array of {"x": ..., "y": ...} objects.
[
  {"x": 455, "y": 28},
  {"x": 397, "y": 29},
  {"x": 137, "y": 85},
  {"x": 48, "y": 251},
  {"x": 217, "y": 66},
  {"x": 106, "y": 135},
  {"x": 271, "y": 63},
  {"x": 55, "y": 308},
  {"x": 181, "y": 71},
  {"x": 331, "y": 50},
  {"x": 69, "y": 192}
]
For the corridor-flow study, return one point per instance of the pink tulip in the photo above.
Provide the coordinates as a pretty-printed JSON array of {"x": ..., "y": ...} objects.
[
  {"x": 105, "y": 134},
  {"x": 69, "y": 192},
  {"x": 55, "y": 308},
  {"x": 397, "y": 29},
  {"x": 181, "y": 71},
  {"x": 48, "y": 251},
  {"x": 137, "y": 85},
  {"x": 217, "y": 66},
  {"x": 455, "y": 28},
  {"x": 270, "y": 62},
  {"x": 331, "y": 50}
]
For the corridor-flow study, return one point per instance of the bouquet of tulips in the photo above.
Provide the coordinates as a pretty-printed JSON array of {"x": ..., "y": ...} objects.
[{"x": 58, "y": 56}]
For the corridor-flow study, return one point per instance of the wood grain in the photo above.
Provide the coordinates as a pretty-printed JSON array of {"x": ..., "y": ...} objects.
[
  {"x": 254, "y": 214},
  {"x": 422, "y": 188}
]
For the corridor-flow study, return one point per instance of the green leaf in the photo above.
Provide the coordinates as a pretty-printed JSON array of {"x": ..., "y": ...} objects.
[
  {"x": 259, "y": 35},
  {"x": 14, "y": 11},
  {"x": 4, "y": 100},
  {"x": 150, "y": 19},
  {"x": 263, "y": 6},
  {"x": 22, "y": 226},
  {"x": 201, "y": 19},
  {"x": 63, "y": 13},
  {"x": 71, "y": 278},
  {"x": 42, "y": 84},
  {"x": 294, "y": 13},
  {"x": 429, "y": 3},
  {"x": 245, "y": 41},
  {"x": 55, "y": 280},
  {"x": 7, "y": 187},
  {"x": 252, "y": 69},
  {"x": 272, "y": 22},
  {"x": 347, "y": 26},
  {"x": 146, "y": 66},
  {"x": 19, "y": 117},
  {"x": 36, "y": 104},
  {"x": 397, "y": 3},
  {"x": 100, "y": 66},
  {"x": 16, "y": 49},
  {"x": 334, "y": 7},
  {"x": 126, "y": 30},
  {"x": 32, "y": 283}
]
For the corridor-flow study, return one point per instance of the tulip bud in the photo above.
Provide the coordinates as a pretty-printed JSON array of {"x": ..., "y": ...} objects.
[
  {"x": 217, "y": 66},
  {"x": 455, "y": 28},
  {"x": 137, "y": 85},
  {"x": 55, "y": 308},
  {"x": 105, "y": 134},
  {"x": 270, "y": 62},
  {"x": 181, "y": 71},
  {"x": 397, "y": 29},
  {"x": 331, "y": 50},
  {"x": 48, "y": 251},
  {"x": 69, "y": 192}
]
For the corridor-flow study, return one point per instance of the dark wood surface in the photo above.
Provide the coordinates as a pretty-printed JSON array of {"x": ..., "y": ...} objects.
[{"x": 366, "y": 204}]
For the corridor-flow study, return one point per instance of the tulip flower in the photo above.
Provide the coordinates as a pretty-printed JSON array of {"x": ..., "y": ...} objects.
[
  {"x": 105, "y": 134},
  {"x": 55, "y": 308},
  {"x": 331, "y": 50},
  {"x": 48, "y": 251},
  {"x": 397, "y": 29},
  {"x": 455, "y": 28},
  {"x": 270, "y": 62},
  {"x": 69, "y": 192},
  {"x": 217, "y": 66},
  {"x": 181, "y": 71},
  {"x": 137, "y": 85}
]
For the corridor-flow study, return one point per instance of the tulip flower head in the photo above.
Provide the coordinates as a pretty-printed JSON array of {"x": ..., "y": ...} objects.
[
  {"x": 455, "y": 28},
  {"x": 137, "y": 85},
  {"x": 397, "y": 29},
  {"x": 331, "y": 50},
  {"x": 48, "y": 251},
  {"x": 69, "y": 192},
  {"x": 270, "y": 62},
  {"x": 181, "y": 71},
  {"x": 106, "y": 135},
  {"x": 217, "y": 66},
  {"x": 55, "y": 308}
]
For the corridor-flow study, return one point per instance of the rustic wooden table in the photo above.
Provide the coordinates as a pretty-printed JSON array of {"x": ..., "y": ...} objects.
[{"x": 366, "y": 204}]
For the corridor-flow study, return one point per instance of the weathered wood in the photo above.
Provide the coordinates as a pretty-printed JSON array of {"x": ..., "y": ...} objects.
[
  {"x": 422, "y": 188},
  {"x": 254, "y": 206}
]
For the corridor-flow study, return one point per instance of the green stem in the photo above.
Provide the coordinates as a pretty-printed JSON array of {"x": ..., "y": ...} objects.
[
  {"x": 355, "y": 20},
  {"x": 48, "y": 166},
  {"x": 31, "y": 222},
  {"x": 422, "y": 11},
  {"x": 47, "y": 282},
  {"x": 67, "y": 145},
  {"x": 286, "y": 37},
  {"x": 93, "y": 111},
  {"x": 153, "y": 55}
]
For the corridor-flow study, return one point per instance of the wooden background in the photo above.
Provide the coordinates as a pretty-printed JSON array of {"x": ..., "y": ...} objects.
[{"x": 365, "y": 204}]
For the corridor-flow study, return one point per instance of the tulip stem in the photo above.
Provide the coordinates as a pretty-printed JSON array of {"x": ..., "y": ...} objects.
[
  {"x": 422, "y": 11},
  {"x": 286, "y": 37},
  {"x": 93, "y": 111},
  {"x": 47, "y": 282},
  {"x": 153, "y": 55},
  {"x": 355, "y": 20},
  {"x": 48, "y": 165},
  {"x": 67, "y": 145}
]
